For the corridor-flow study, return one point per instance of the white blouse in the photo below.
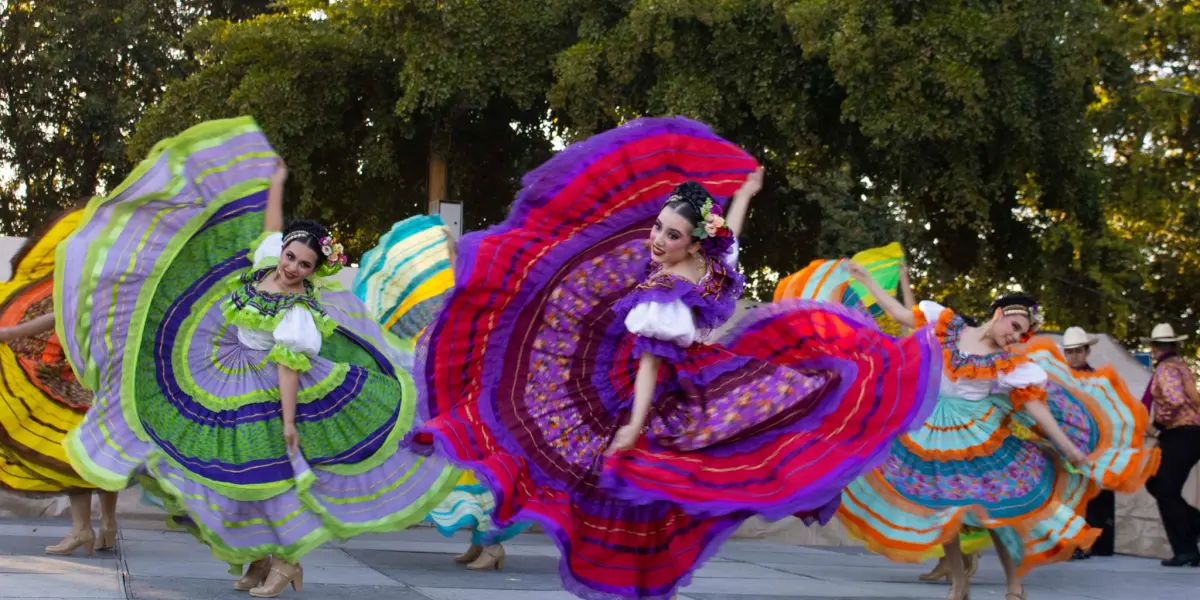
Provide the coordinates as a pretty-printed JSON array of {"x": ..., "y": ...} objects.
[
  {"x": 297, "y": 331},
  {"x": 1023, "y": 375},
  {"x": 670, "y": 321}
]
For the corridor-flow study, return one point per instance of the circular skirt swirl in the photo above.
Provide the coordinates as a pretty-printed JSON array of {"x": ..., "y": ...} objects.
[
  {"x": 197, "y": 417},
  {"x": 40, "y": 399},
  {"x": 965, "y": 467},
  {"x": 529, "y": 371},
  {"x": 470, "y": 506}
]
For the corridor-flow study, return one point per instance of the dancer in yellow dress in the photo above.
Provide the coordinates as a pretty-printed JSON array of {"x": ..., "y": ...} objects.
[{"x": 40, "y": 399}]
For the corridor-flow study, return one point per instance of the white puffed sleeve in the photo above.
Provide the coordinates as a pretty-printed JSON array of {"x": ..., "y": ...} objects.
[
  {"x": 1023, "y": 376},
  {"x": 731, "y": 256},
  {"x": 932, "y": 311},
  {"x": 269, "y": 248},
  {"x": 297, "y": 331},
  {"x": 664, "y": 321}
]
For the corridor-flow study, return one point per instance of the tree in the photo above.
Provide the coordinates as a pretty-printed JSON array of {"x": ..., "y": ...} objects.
[
  {"x": 77, "y": 76},
  {"x": 960, "y": 126},
  {"x": 357, "y": 96}
]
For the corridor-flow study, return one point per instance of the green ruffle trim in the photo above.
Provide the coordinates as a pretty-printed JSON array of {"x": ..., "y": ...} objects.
[
  {"x": 249, "y": 318},
  {"x": 331, "y": 529},
  {"x": 291, "y": 359}
]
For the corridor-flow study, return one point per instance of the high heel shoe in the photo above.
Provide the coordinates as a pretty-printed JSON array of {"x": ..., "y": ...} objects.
[
  {"x": 470, "y": 555},
  {"x": 73, "y": 541},
  {"x": 959, "y": 591},
  {"x": 971, "y": 564},
  {"x": 1015, "y": 595},
  {"x": 255, "y": 575},
  {"x": 282, "y": 573},
  {"x": 108, "y": 537},
  {"x": 938, "y": 573},
  {"x": 1179, "y": 560},
  {"x": 492, "y": 558}
]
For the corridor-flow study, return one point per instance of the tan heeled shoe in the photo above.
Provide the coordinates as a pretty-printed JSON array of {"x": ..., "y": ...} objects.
[
  {"x": 255, "y": 575},
  {"x": 1016, "y": 596},
  {"x": 108, "y": 537},
  {"x": 938, "y": 573},
  {"x": 282, "y": 573},
  {"x": 470, "y": 555},
  {"x": 971, "y": 564},
  {"x": 492, "y": 559},
  {"x": 74, "y": 541},
  {"x": 959, "y": 591}
]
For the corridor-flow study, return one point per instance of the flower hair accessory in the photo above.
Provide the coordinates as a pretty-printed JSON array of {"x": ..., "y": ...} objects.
[
  {"x": 335, "y": 258},
  {"x": 714, "y": 235}
]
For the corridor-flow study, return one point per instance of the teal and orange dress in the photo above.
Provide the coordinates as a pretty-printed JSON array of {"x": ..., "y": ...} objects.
[{"x": 966, "y": 467}]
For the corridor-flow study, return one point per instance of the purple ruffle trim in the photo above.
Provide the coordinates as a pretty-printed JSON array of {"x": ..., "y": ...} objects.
[
  {"x": 668, "y": 351},
  {"x": 709, "y": 312}
]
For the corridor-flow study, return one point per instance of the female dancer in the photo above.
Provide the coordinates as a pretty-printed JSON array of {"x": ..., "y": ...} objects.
[
  {"x": 965, "y": 467},
  {"x": 264, "y": 407},
  {"x": 40, "y": 399},
  {"x": 404, "y": 281},
  {"x": 571, "y": 368}
]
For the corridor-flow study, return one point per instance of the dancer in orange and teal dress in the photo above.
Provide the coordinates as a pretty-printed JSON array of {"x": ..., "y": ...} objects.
[
  {"x": 403, "y": 281},
  {"x": 965, "y": 467},
  {"x": 233, "y": 375},
  {"x": 573, "y": 367}
]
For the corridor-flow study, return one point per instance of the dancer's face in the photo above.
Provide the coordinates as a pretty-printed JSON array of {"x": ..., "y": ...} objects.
[
  {"x": 1077, "y": 357},
  {"x": 671, "y": 238},
  {"x": 296, "y": 263},
  {"x": 1008, "y": 329}
]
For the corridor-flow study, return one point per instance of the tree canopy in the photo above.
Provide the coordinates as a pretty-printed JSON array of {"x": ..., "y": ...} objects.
[{"x": 1043, "y": 145}]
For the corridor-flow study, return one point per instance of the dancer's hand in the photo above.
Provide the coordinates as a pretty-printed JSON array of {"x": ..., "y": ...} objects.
[
  {"x": 281, "y": 172},
  {"x": 291, "y": 438},
  {"x": 857, "y": 271},
  {"x": 626, "y": 437},
  {"x": 1077, "y": 456},
  {"x": 6, "y": 334},
  {"x": 753, "y": 183}
]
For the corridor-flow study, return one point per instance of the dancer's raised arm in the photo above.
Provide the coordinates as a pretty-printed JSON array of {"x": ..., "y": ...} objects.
[
  {"x": 736, "y": 216},
  {"x": 273, "y": 219},
  {"x": 892, "y": 306}
]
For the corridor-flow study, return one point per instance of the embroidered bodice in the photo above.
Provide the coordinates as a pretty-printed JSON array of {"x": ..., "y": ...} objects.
[
  {"x": 976, "y": 376},
  {"x": 290, "y": 326},
  {"x": 668, "y": 313}
]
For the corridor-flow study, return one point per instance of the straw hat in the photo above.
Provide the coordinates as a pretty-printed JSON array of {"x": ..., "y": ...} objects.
[
  {"x": 1076, "y": 337},
  {"x": 1163, "y": 332}
]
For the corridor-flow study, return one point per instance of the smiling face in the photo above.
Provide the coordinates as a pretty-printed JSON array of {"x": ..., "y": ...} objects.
[
  {"x": 671, "y": 238},
  {"x": 296, "y": 263},
  {"x": 1008, "y": 329}
]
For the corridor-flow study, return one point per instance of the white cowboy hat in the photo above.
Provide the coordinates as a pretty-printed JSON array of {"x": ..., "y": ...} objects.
[
  {"x": 1163, "y": 332},
  {"x": 1076, "y": 337}
]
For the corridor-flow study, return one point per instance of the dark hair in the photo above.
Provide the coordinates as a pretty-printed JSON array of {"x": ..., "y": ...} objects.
[
  {"x": 1165, "y": 346},
  {"x": 687, "y": 200},
  {"x": 316, "y": 232},
  {"x": 1004, "y": 301}
]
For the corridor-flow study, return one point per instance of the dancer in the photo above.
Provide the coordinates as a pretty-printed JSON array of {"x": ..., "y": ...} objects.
[
  {"x": 404, "y": 281},
  {"x": 964, "y": 467},
  {"x": 571, "y": 368},
  {"x": 264, "y": 407},
  {"x": 40, "y": 400},
  {"x": 830, "y": 281}
]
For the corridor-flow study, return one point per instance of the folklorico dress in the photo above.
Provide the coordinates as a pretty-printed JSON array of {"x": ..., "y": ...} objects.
[
  {"x": 966, "y": 467},
  {"x": 529, "y": 371},
  {"x": 158, "y": 309},
  {"x": 404, "y": 281},
  {"x": 40, "y": 399}
]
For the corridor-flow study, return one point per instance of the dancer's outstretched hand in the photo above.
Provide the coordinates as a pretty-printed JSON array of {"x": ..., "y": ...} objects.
[
  {"x": 626, "y": 437},
  {"x": 753, "y": 183},
  {"x": 281, "y": 171},
  {"x": 1077, "y": 457},
  {"x": 857, "y": 271},
  {"x": 291, "y": 438}
]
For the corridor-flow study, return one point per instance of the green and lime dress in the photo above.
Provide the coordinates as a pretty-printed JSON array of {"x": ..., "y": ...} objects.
[{"x": 159, "y": 312}]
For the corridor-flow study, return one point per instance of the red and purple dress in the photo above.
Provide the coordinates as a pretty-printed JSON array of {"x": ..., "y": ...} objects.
[{"x": 529, "y": 371}]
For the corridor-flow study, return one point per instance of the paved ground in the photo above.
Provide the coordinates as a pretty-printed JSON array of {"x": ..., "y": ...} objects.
[{"x": 152, "y": 564}]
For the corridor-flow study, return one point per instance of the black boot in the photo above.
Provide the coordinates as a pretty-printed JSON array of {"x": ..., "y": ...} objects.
[{"x": 1179, "y": 560}]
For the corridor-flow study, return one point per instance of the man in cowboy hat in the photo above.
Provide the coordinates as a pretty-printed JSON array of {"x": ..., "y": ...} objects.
[
  {"x": 1176, "y": 412},
  {"x": 1101, "y": 511}
]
